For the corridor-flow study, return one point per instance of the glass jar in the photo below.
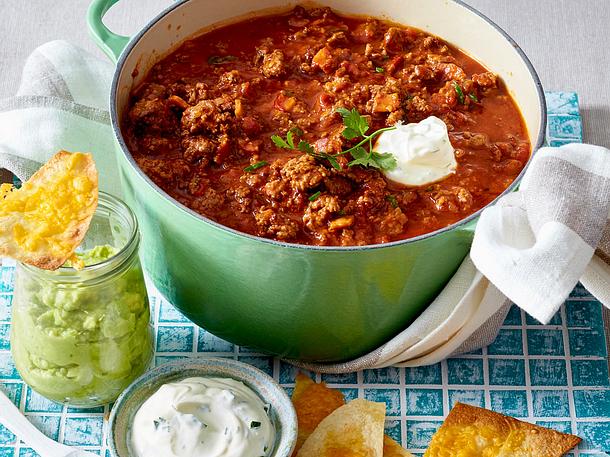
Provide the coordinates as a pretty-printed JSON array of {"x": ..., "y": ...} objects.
[{"x": 81, "y": 337}]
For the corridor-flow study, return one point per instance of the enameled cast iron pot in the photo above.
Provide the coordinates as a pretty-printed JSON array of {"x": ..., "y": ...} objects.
[{"x": 305, "y": 302}]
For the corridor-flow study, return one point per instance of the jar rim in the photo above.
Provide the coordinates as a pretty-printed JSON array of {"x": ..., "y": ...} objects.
[{"x": 68, "y": 274}]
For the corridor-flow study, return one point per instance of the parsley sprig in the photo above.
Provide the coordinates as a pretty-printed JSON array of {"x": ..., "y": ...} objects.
[{"x": 356, "y": 126}]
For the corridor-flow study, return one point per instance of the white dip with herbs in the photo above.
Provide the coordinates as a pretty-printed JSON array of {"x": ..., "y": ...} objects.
[
  {"x": 422, "y": 151},
  {"x": 202, "y": 417}
]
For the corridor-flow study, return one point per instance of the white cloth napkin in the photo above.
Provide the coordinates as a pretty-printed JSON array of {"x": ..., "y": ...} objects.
[
  {"x": 533, "y": 246},
  {"x": 62, "y": 103}
]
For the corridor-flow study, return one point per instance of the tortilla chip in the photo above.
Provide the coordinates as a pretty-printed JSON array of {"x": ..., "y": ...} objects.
[
  {"x": 312, "y": 402},
  {"x": 392, "y": 449},
  {"x": 44, "y": 221},
  {"x": 472, "y": 431},
  {"x": 353, "y": 430}
]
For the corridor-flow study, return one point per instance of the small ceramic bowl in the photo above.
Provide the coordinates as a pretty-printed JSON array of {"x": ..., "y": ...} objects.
[{"x": 282, "y": 412}]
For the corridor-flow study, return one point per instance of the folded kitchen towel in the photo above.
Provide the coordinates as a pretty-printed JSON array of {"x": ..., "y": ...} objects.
[
  {"x": 532, "y": 247},
  {"x": 62, "y": 103}
]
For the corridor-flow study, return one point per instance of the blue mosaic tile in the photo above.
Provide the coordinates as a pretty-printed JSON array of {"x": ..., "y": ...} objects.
[
  {"x": 469, "y": 397},
  {"x": 98, "y": 410},
  {"x": 584, "y": 314},
  {"x": 4, "y": 337},
  {"x": 6, "y": 437},
  {"x": 509, "y": 402},
  {"x": 508, "y": 342},
  {"x": 506, "y": 372},
  {"x": 167, "y": 313},
  {"x": 13, "y": 391},
  {"x": 595, "y": 435},
  {"x": 83, "y": 431},
  {"x": 6, "y": 303},
  {"x": 393, "y": 430},
  {"x": 465, "y": 371},
  {"x": 175, "y": 339},
  {"x": 592, "y": 403},
  {"x": 587, "y": 342},
  {"x": 429, "y": 374},
  {"x": 346, "y": 378},
  {"x": 7, "y": 366},
  {"x": 207, "y": 342},
  {"x": 349, "y": 393},
  {"x": 560, "y": 426},
  {"x": 7, "y": 279},
  {"x": 514, "y": 316},
  {"x": 565, "y": 127},
  {"x": 161, "y": 359},
  {"x": 419, "y": 433},
  {"x": 390, "y": 375},
  {"x": 262, "y": 363},
  {"x": 36, "y": 403},
  {"x": 580, "y": 292},
  {"x": 545, "y": 342},
  {"x": 555, "y": 320},
  {"x": 562, "y": 103},
  {"x": 424, "y": 402},
  {"x": 550, "y": 403},
  {"x": 548, "y": 372},
  {"x": 590, "y": 373},
  {"x": 558, "y": 143},
  {"x": 288, "y": 373},
  {"x": 391, "y": 398},
  {"x": 7, "y": 451},
  {"x": 49, "y": 425},
  {"x": 28, "y": 452}
]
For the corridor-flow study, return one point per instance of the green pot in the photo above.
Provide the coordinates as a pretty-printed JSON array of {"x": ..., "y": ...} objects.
[{"x": 303, "y": 302}]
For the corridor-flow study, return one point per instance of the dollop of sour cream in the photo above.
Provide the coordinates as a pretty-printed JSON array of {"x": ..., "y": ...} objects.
[
  {"x": 202, "y": 417},
  {"x": 422, "y": 150}
]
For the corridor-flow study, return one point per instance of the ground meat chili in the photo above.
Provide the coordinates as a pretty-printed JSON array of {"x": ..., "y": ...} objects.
[{"x": 200, "y": 126}]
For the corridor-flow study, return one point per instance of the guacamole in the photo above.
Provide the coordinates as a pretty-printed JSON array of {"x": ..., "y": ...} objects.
[{"x": 82, "y": 343}]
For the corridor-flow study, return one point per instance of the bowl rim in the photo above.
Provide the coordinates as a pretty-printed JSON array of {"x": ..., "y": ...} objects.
[
  {"x": 461, "y": 224},
  {"x": 287, "y": 420}
]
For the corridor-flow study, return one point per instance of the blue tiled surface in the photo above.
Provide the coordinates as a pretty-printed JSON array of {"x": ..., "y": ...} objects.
[{"x": 555, "y": 375}]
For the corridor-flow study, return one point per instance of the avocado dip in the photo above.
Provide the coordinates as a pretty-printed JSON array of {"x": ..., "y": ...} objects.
[{"x": 82, "y": 342}]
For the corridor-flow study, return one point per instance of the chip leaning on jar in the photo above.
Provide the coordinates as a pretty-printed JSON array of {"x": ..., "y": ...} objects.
[{"x": 81, "y": 332}]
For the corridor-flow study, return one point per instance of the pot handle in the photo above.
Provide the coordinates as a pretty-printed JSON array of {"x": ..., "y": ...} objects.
[{"x": 109, "y": 42}]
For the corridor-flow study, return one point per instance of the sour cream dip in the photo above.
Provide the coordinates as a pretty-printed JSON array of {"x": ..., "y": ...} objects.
[
  {"x": 422, "y": 150},
  {"x": 202, "y": 417}
]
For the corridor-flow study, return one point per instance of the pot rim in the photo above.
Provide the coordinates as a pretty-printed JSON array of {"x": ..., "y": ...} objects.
[{"x": 461, "y": 224}]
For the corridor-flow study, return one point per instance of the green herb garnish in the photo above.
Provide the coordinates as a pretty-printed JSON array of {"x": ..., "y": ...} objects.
[
  {"x": 473, "y": 97},
  {"x": 459, "y": 92},
  {"x": 356, "y": 126},
  {"x": 392, "y": 200},
  {"x": 379, "y": 69},
  {"x": 255, "y": 424},
  {"x": 255, "y": 166},
  {"x": 219, "y": 60},
  {"x": 303, "y": 146},
  {"x": 314, "y": 197}
]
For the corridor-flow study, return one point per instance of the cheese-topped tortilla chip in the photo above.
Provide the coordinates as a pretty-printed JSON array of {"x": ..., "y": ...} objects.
[
  {"x": 353, "y": 430},
  {"x": 44, "y": 221},
  {"x": 392, "y": 449},
  {"x": 312, "y": 402},
  {"x": 469, "y": 431}
]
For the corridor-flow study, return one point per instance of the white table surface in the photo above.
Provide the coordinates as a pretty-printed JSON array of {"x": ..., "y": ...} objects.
[{"x": 568, "y": 42}]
